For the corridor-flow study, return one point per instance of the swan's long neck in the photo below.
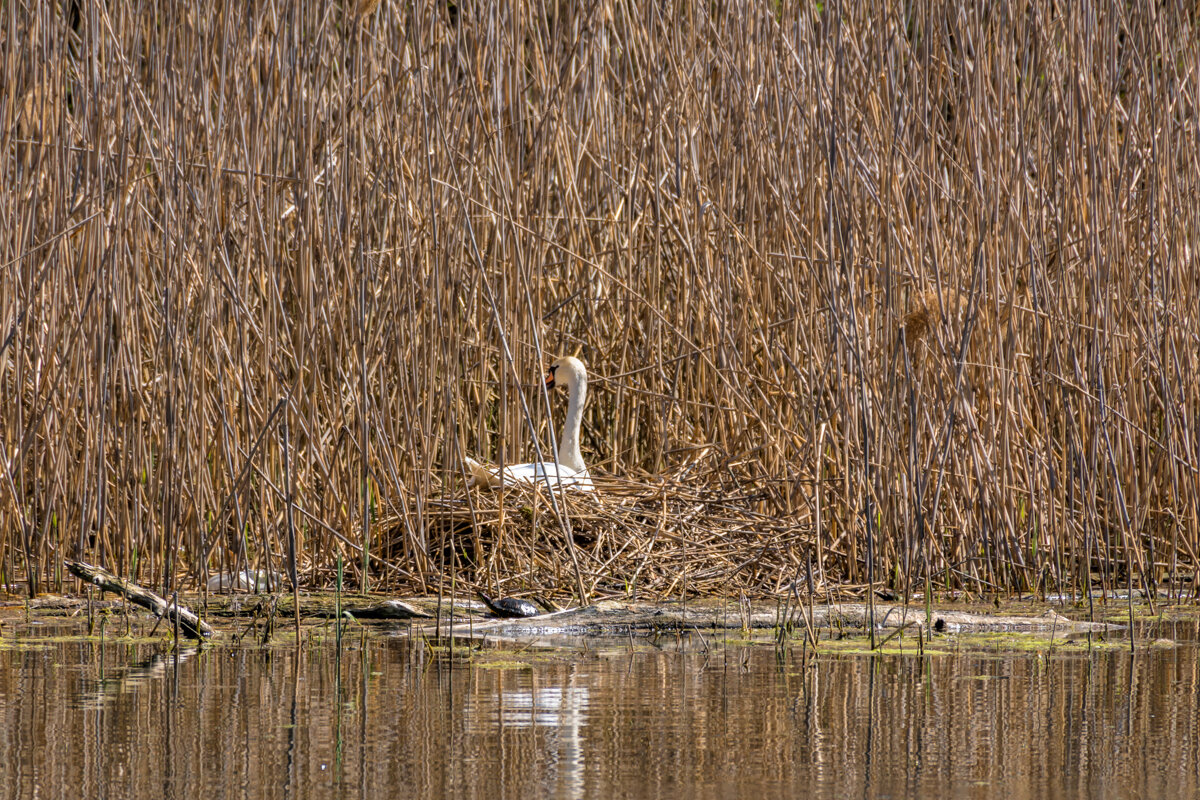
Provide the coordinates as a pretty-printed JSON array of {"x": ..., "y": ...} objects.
[{"x": 568, "y": 443}]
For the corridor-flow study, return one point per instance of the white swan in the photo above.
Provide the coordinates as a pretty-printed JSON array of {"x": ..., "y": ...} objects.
[
  {"x": 570, "y": 472},
  {"x": 257, "y": 580}
]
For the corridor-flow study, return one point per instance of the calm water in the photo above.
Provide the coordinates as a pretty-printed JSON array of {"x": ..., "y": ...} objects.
[{"x": 393, "y": 719}]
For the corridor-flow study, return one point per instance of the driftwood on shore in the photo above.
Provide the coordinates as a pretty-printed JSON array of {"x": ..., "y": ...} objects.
[
  {"x": 189, "y": 622},
  {"x": 613, "y": 617},
  {"x": 389, "y": 609}
]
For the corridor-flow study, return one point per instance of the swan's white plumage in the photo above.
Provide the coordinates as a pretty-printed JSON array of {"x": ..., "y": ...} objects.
[
  {"x": 257, "y": 580},
  {"x": 536, "y": 472},
  {"x": 570, "y": 472}
]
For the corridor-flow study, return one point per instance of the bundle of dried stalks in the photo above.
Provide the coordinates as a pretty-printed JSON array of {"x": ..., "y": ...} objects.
[
  {"x": 922, "y": 274},
  {"x": 690, "y": 533}
]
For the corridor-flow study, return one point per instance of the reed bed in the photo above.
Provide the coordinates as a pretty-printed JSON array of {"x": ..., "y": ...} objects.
[
  {"x": 661, "y": 538},
  {"x": 870, "y": 293}
]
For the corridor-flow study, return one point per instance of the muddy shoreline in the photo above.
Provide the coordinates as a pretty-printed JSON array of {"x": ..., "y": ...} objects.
[{"x": 612, "y": 617}]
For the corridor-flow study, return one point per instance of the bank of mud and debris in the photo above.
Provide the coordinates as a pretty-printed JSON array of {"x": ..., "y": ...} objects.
[{"x": 216, "y": 617}]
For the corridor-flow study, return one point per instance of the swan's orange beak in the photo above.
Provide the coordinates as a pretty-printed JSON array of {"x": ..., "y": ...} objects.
[{"x": 550, "y": 376}]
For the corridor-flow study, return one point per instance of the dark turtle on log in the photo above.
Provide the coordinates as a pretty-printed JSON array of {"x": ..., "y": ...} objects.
[{"x": 509, "y": 607}]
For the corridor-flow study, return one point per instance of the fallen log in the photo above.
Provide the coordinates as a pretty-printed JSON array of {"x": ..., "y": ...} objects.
[
  {"x": 189, "y": 622},
  {"x": 389, "y": 609},
  {"x": 611, "y": 617}
]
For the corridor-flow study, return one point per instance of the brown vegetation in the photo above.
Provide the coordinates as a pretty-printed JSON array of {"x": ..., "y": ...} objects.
[{"x": 904, "y": 293}]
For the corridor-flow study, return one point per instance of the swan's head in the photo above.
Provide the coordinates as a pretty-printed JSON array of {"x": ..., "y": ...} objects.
[{"x": 568, "y": 371}]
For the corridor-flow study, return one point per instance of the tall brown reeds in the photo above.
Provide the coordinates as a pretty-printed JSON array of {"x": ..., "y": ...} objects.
[{"x": 905, "y": 291}]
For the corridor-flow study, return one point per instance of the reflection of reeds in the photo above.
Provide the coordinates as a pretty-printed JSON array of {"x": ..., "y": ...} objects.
[{"x": 916, "y": 295}]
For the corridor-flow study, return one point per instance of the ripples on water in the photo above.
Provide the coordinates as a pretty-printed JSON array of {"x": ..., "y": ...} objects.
[{"x": 392, "y": 719}]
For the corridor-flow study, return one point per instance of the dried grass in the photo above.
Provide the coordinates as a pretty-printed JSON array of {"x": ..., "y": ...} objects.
[{"x": 906, "y": 292}]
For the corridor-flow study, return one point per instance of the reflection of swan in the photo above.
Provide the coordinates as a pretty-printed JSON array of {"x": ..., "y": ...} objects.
[
  {"x": 570, "y": 472},
  {"x": 561, "y": 713},
  {"x": 548, "y": 707}
]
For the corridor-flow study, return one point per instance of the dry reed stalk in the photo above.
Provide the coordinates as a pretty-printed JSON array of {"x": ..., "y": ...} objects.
[{"x": 738, "y": 216}]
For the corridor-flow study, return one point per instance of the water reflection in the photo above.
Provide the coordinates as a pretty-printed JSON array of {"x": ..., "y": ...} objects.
[
  {"x": 388, "y": 717},
  {"x": 113, "y": 683},
  {"x": 559, "y": 711}
]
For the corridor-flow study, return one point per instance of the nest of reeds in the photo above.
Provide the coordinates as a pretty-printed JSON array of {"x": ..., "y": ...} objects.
[{"x": 671, "y": 536}]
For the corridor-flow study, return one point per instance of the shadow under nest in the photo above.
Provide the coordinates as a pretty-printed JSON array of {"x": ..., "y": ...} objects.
[{"x": 660, "y": 539}]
